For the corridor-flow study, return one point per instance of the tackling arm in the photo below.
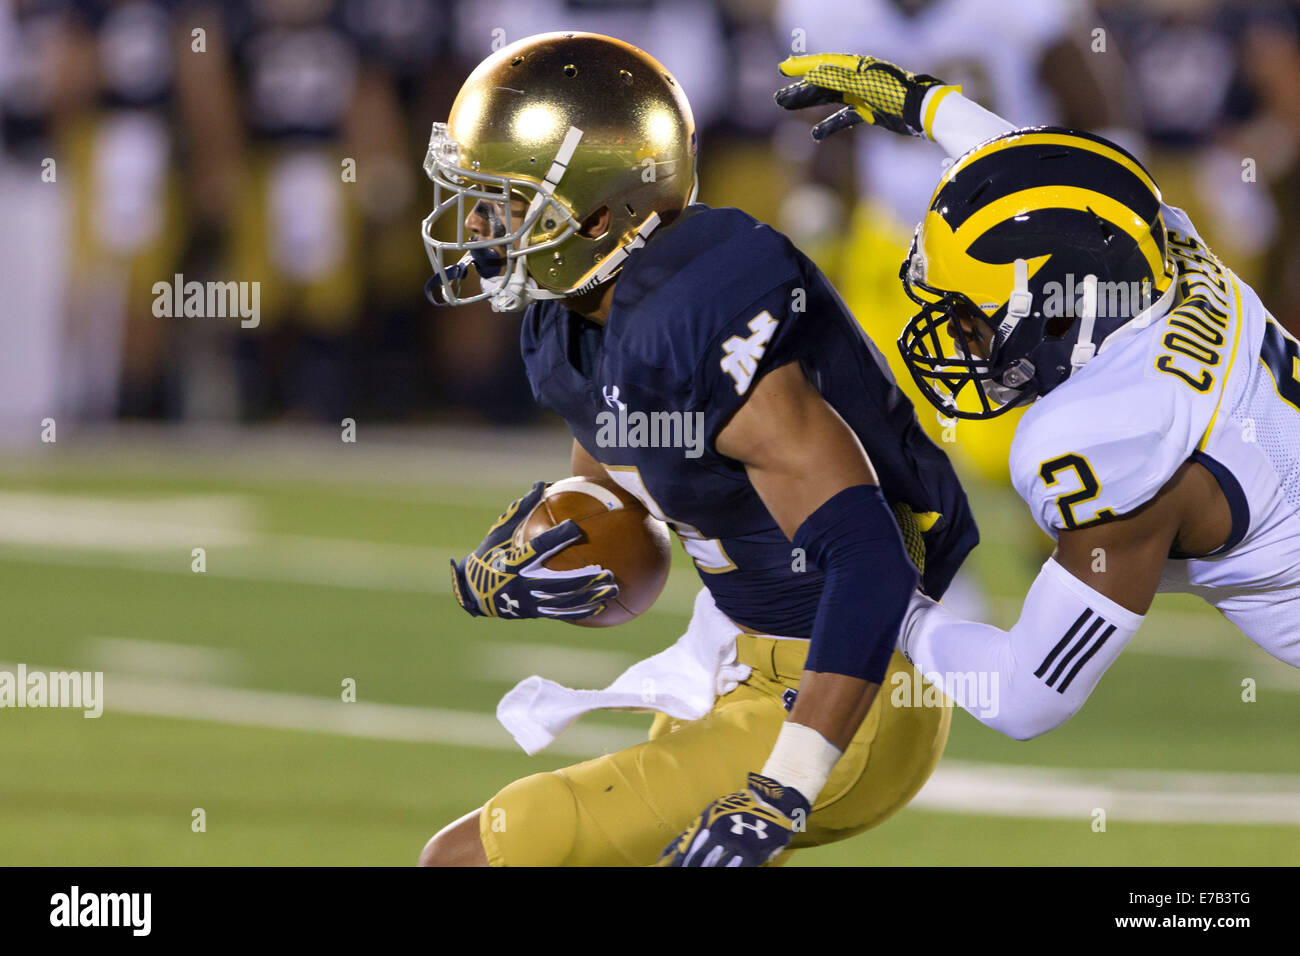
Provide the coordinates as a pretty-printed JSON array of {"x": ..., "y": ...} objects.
[
  {"x": 883, "y": 94},
  {"x": 1081, "y": 611}
]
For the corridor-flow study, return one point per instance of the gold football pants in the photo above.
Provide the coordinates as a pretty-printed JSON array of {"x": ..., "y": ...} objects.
[{"x": 622, "y": 809}]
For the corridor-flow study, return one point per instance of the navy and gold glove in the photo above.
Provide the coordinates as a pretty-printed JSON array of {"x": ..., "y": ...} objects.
[
  {"x": 502, "y": 579},
  {"x": 873, "y": 91},
  {"x": 748, "y": 828}
]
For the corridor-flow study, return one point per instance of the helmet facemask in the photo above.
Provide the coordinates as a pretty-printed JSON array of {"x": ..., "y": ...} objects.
[
  {"x": 501, "y": 259},
  {"x": 941, "y": 372}
]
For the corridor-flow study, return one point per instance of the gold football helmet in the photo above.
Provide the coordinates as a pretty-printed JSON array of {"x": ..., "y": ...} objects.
[{"x": 572, "y": 148}]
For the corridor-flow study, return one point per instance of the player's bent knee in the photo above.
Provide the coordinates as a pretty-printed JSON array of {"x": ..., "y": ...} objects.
[
  {"x": 457, "y": 844},
  {"x": 532, "y": 822}
]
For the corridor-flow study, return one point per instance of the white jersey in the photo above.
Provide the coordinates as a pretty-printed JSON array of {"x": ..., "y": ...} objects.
[{"x": 1217, "y": 380}]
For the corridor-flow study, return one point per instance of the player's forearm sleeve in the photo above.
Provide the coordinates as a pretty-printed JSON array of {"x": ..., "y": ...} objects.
[
  {"x": 855, "y": 541},
  {"x": 956, "y": 123},
  {"x": 1034, "y": 677}
]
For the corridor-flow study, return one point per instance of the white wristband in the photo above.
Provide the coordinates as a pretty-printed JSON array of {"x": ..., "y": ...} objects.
[
  {"x": 956, "y": 123},
  {"x": 802, "y": 759}
]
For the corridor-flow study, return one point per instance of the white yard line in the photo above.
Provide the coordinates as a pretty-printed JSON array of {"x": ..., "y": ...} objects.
[
  {"x": 158, "y": 535},
  {"x": 188, "y": 662},
  {"x": 958, "y": 786},
  {"x": 116, "y": 525},
  {"x": 1147, "y": 796},
  {"x": 306, "y": 559},
  {"x": 188, "y": 700},
  {"x": 510, "y": 662},
  {"x": 287, "y": 559},
  {"x": 494, "y": 459},
  {"x": 300, "y": 712}
]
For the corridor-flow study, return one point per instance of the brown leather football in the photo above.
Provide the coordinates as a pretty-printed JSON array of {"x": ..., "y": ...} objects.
[{"x": 618, "y": 534}]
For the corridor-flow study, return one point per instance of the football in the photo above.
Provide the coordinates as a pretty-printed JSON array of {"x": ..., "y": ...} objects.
[{"x": 618, "y": 534}]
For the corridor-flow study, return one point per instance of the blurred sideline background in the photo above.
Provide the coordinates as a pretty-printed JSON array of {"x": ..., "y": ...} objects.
[{"x": 127, "y": 157}]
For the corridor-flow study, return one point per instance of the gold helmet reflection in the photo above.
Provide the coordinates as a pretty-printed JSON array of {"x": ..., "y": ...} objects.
[{"x": 571, "y": 126}]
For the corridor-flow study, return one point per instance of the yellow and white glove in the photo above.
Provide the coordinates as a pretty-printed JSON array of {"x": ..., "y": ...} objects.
[{"x": 873, "y": 91}]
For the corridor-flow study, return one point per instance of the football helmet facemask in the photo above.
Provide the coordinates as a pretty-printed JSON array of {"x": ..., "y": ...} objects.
[
  {"x": 1039, "y": 248},
  {"x": 576, "y": 129}
]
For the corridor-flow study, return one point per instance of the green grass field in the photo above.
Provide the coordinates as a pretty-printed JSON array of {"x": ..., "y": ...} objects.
[{"x": 327, "y": 562}]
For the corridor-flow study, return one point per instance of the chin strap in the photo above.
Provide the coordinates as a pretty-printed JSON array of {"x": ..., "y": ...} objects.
[
  {"x": 614, "y": 261},
  {"x": 510, "y": 292},
  {"x": 514, "y": 292},
  {"x": 1084, "y": 349},
  {"x": 1144, "y": 319},
  {"x": 1021, "y": 302}
]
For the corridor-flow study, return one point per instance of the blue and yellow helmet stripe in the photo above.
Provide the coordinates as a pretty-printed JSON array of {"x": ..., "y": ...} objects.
[{"x": 1064, "y": 204}]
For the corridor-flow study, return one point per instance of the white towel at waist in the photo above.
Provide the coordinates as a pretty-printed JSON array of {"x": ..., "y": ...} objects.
[{"x": 682, "y": 681}]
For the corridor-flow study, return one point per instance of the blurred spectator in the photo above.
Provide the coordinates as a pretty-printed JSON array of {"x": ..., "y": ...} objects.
[
  {"x": 1270, "y": 57},
  {"x": 295, "y": 227},
  {"x": 405, "y": 47},
  {"x": 227, "y": 158},
  {"x": 1191, "y": 92},
  {"x": 33, "y": 263},
  {"x": 96, "y": 91}
]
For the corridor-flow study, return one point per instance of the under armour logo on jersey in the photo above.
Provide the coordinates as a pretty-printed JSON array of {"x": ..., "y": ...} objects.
[
  {"x": 611, "y": 397},
  {"x": 742, "y": 355},
  {"x": 739, "y": 825},
  {"x": 1075, "y": 644}
]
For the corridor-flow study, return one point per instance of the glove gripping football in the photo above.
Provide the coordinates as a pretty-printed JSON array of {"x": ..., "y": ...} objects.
[{"x": 503, "y": 579}]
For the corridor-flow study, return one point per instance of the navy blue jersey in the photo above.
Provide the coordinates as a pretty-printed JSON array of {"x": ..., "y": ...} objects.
[{"x": 710, "y": 304}]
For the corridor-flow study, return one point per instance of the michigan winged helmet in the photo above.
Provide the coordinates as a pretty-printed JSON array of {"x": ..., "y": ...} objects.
[
  {"x": 573, "y": 147},
  {"x": 1052, "y": 243}
]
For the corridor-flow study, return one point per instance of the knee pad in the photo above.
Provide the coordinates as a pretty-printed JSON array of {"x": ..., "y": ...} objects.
[{"x": 532, "y": 822}]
